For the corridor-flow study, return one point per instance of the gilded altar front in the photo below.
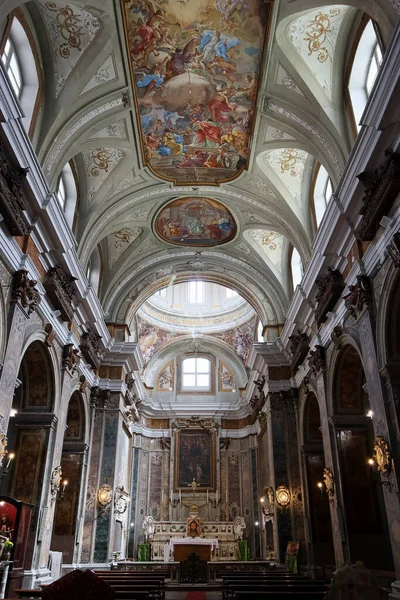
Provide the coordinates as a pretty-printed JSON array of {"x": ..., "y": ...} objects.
[{"x": 223, "y": 535}]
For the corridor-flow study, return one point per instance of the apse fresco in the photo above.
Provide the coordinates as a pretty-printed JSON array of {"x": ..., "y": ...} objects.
[
  {"x": 195, "y": 69},
  {"x": 195, "y": 222}
]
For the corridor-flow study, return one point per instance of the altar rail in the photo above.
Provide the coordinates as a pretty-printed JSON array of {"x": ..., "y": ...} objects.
[{"x": 223, "y": 531}]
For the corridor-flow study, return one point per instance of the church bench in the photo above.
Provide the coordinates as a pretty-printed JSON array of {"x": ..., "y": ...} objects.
[
  {"x": 230, "y": 582},
  {"x": 28, "y": 593},
  {"x": 153, "y": 587},
  {"x": 233, "y": 588},
  {"x": 281, "y": 595},
  {"x": 131, "y": 595},
  {"x": 157, "y": 582}
]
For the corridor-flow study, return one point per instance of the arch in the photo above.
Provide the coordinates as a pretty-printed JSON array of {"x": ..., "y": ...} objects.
[
  {"x": 362, "y": 498},
  {"x": 322, "y": 550},
  {"x": 72, "y": 466},
  {"x": 184, "y": 345},
  {"x": 30, "y": 433}
]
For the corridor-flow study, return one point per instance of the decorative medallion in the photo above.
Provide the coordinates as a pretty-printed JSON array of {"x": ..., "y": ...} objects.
[
  {"x": 282, "y": 496},
  {"x": 104, "y": 496},
  {"x": 195, "y": 222},
  {"x": 382, "y": 455},
  {"x": 195, "y": 71}
]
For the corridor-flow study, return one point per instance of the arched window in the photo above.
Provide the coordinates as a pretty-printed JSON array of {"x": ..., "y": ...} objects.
[
  {"x": 11, "y": 65},
  {"x": 66, "y": 193},
  {"x": 196, "y": 292},
  {"x": 322, "y": 193},
  {"x": 93, "y": 270},
  {"x": 260, "y": 328},
  {"x": 364, "y": 70},
  {"x": 296, "y": 267},
  {"x": 196, "y": 374},
  {"x": 20, "y": 64}
]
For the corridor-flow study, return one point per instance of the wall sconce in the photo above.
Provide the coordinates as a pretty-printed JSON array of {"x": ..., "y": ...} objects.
[
  {"x": 382, "y": 461},
  {"x": 64, "y": 487},
  {"x": 329, "y": 485},
  {"x": 104, "y": 497},
  {"x": 282, "y": 496},
  {"x": 55, "y": 483}
]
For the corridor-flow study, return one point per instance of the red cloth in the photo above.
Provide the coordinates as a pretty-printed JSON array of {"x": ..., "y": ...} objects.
[
  {"x": 208, "y": 131},
  {"x": 78, "y": 585}
]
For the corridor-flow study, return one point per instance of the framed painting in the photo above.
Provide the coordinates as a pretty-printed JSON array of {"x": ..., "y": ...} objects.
[{"x": 194, "y": 459}]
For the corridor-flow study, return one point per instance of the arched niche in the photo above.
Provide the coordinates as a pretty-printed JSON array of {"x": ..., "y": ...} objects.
[
  {"x": 322, "y": 551},
  {"x": 362, "y": 496},
  {"x": 66, "y": 519},
  {"x": 29, "y": 435}
]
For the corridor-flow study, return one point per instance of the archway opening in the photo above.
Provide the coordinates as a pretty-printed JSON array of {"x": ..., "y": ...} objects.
[
  {"x": 320, "y": 518},
  {"x": 66, "y": 524},
  {"x": 362, "y": 496},
  {"x": 29, "y": 435}
]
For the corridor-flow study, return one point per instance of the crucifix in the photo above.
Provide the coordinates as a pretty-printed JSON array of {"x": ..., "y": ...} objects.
[{"x": 193, "y": 485}]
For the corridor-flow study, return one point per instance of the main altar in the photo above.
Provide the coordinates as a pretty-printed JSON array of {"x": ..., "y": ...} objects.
[{"x": 219, "y": 538}]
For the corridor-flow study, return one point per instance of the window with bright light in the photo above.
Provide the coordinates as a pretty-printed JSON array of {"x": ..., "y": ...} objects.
[
  {"x": 230, "y": 293},
  {"x": 196, "y": 373},
  {"x": 22, "y": 69},
  {"x": 366, "y": 63},
  {"x": 196, "y": 292},
  {"x": 296, "y": 268},
  {"x": 10, "y": 61},
  {"x": 322, "y": 193},
  {"x": 60, "y": 193}
]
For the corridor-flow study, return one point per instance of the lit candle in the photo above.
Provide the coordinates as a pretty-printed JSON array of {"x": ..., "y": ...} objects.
[
  {"x": 65, "y": 483},
  {"x": 10, "y": 458}
]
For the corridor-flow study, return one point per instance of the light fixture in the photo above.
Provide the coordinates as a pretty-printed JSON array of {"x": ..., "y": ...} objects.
[
  {"x": 13, "y": 412},
  {"x": 104, "y": 497},
  {"x": 320, "y": 486},
  {"x": 370, "y": 414},
  {"x": 256, "y": 523},
  {"x": 64, "y": 487},
  {"x": 262, "y": 499},
  {"x": 282, "y": 496}
]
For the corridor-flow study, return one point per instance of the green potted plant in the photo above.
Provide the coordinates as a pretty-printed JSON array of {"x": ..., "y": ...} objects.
[{"x": 8, "y": 545}]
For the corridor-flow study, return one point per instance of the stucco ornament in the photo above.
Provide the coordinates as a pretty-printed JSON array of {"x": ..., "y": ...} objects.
[
  {"x": 239, "y": 526},
  {"x": 382, "y": 455},
  {"x": 149, "y": 527},
  {"x": 282, "y": 496}
]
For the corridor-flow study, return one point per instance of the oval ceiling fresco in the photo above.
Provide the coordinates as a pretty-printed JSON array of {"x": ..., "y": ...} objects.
[
  {"x": 195, "y": 222},
  {"x": 195, "y": 69}
]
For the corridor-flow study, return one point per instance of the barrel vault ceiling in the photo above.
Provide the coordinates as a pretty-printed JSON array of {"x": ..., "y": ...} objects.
[{"x": 229, "y": 102}]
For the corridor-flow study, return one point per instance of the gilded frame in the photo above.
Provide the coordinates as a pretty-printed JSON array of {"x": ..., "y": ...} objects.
[{"x": 195, "y": 458}]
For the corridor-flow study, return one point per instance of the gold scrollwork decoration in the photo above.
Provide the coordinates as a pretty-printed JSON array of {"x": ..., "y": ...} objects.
[
  {"x": 55, "y": 482},
  {"x": 329, "y": 483},
  {"x": 382, "y": 455}
]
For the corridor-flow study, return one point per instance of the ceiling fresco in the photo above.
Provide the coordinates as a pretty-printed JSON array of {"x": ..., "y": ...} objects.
[
  {"x": 195, "y": 222},
  {"x": 195, "y": 69}
]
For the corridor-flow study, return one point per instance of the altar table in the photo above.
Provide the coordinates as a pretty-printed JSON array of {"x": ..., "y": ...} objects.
[{"x": 201, "y": 546}]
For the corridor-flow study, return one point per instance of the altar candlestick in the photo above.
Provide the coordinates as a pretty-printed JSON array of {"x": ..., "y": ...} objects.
[
  {"x": 162, "y": 496},
  {"x": 226, "y": 496},
  {"x": 180, "y": 496}
]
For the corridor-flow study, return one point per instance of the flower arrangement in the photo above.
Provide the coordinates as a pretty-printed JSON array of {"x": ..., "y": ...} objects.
[{"x": 8, "y": 545}]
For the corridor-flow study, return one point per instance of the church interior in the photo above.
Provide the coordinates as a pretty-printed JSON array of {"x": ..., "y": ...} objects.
[{"x": 199, "y": 288}]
